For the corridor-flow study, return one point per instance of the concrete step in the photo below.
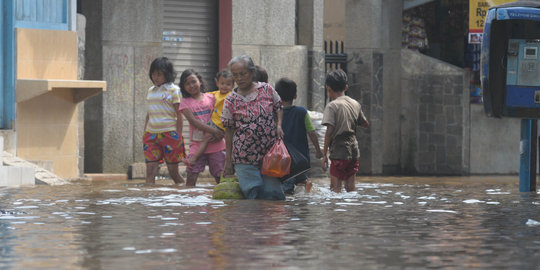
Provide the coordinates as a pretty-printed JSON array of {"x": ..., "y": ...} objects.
[
  {"x": 106, "y": 176},
  {"x": 138, "y": 171},
  {"x": 41, "y": 175},
  {"x": 16, "y": 176}
]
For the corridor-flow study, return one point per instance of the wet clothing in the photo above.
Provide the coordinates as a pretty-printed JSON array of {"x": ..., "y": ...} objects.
[
  {"x": 160, "y": 140},
  {"x": 213, "y": 155},
  {"x": 202, "y": 111},
  {"x": 343, "y": 169},
  {"x": 254, "y": 185},
  {"x": 344, "y": 114},
  {"x": 296, "y": 124},
  {"x": 215, "y": 161},
  {"x": 218, "y": 108},
  {"x": 252, "y": 119},
  {"x": 161, "y": 112},
  {"x": 166, "y": 145}
]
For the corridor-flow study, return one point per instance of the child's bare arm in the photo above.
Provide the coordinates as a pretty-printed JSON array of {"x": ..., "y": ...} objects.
[
  {"x": 202, "y": 147},
  {"x": 228, "y": 169},
  {"x": 315, "y": 141},
  {"x": 146, "y": 121},
  {"x": 200, "y": 125},
  {"x": 327, "y": 141},
  {"x": 179, "y": 119},
  {"x": 362, "y": 120},
  {"x": 280, "y": 132},
  {"x": 365, "y": 124}
]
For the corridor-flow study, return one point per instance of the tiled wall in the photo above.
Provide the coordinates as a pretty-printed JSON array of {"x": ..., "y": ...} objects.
[
  {"x": 46, "y": 54},
  {"x": 47, "y": 124}
]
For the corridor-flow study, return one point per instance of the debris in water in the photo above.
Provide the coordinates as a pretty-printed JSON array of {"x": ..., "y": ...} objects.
[{"x": 532, "y": 222}]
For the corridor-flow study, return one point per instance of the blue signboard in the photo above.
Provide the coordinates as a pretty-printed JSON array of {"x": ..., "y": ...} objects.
[{"x": 518, "y": 13}]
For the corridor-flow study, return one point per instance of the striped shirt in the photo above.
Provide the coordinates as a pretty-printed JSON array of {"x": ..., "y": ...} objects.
[{"x": 161, "y": 112}]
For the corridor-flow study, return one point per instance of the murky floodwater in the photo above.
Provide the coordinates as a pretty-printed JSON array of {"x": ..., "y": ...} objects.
[{"x": 388, "y": 224}]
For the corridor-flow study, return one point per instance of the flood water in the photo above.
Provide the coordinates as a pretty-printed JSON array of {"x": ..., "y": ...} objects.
[{"x": 389, "y": 223}]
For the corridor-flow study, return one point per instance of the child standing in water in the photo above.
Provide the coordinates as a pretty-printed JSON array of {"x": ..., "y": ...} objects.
[
  {"x": 341, "y": 117},
  {"x": 197, "y": 107},
  {"x": 297, "y": 126},
  {"x": 225, "y": 83},
  {"x": 162, "y": 139}
]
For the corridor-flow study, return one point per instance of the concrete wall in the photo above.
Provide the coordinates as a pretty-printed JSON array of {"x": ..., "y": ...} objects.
[
  {"x": 310, "y": 34},
  {"x": 434, "y": 117},
  {"x": 281, "y": 61},
  {"x": 269, "y": 38},
  {"x": 48, "y": 123},
  {"x": 442, "y": 133},
  {"x": 373, "y": 33},
  {"x": 334, "y": 20},
  {"x": 494, "y": 143},
  {"x": 422, "y": 122},
  {"x": 123, "y": 37}
]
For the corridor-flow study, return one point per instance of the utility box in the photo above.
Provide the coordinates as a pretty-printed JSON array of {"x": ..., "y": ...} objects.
[{"x": 510, "y": 63}]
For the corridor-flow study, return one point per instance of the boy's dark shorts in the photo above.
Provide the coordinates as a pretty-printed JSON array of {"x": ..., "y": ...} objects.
[{"x": 342, "y": 169}]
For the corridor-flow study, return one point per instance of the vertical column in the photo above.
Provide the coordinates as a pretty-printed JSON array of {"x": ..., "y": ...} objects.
[
  {"x": 225, "y": 32},
  {"x": 527, "y": 154},
  {"x": 310, "y": 30},
  {"x": 93, "y": 70},
  {"x": 365, "y": 71},
  {"x": 120, "y": 55},
  {"x": 373, "y": 46}
]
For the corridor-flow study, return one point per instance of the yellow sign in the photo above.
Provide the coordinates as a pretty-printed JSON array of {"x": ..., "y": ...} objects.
[{"x": 478, "y": 11}]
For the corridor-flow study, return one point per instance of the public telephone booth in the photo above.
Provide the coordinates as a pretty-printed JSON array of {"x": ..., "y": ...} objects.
[{"x": 510, "y": 75}]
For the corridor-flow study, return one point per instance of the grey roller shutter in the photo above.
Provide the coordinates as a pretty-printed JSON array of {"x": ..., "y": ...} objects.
[{"x": 190, "y": 36}]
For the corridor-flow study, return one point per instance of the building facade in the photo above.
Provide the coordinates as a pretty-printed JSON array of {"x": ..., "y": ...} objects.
[
  {"x": 122, "y": 38},
  {"x": 419, "y": 106},
  {"x": 40, "y": 87},
  {"x": 422, "y": 121}
]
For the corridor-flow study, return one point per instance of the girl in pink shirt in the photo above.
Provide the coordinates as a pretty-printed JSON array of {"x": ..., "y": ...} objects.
[{"x": 197, "y": 107}]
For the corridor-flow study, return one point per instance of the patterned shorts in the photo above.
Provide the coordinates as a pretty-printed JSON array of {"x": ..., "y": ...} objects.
[{"x": 167, "y": 146}]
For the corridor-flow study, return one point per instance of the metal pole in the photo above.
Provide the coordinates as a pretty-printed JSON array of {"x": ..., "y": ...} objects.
[
  {"x": 527, "y": 154},
  {"x": 534, "y": 152}
]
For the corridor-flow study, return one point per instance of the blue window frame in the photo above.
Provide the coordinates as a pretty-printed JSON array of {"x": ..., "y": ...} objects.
[
  {"x": 7, "y": 68},
  {"x": 42, "y": 14},
  {"x": 37, "y": 14}
]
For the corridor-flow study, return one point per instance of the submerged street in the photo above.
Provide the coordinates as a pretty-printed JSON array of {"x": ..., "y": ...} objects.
[{"x": 389, "y": 223}]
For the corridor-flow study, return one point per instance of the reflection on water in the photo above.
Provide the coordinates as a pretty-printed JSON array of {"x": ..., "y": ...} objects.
[{"x": 384, "y": 225}]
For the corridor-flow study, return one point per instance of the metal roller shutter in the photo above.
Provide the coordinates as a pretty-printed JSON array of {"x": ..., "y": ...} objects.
[{"x": 190, "y": 36}]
